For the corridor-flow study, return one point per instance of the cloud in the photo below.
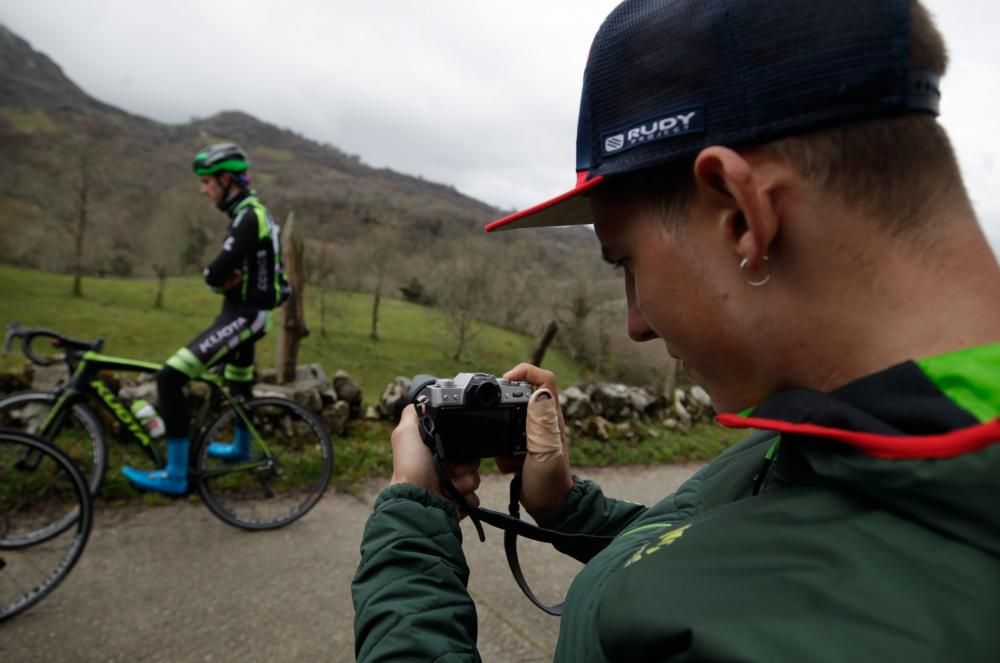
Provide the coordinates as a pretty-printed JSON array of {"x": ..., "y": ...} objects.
[{"x": 482, "y": 96}]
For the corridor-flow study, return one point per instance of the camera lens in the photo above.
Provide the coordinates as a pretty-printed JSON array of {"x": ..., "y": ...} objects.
[{"x": 487, "y": 393}]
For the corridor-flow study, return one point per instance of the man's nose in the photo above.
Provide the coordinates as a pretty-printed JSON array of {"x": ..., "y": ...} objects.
[{"x": 638, "y": 329}]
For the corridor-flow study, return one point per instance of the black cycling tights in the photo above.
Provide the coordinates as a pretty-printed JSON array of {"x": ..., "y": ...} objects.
[{"x": 174, "y": 406}]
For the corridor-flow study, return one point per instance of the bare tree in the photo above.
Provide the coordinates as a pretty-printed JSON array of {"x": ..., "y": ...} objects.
[
  {"x": 515, "y": 288},
  {"x": 464, "y": 298},
  {"x": 321, "y": 270},
  {"x": 161, "y": 283},
  {"x": 376, "y": 302},
  {"x": 576, "y": 312},
  {"x": 193, "y": 247},
  {"x": 82, "y": 193},
  {"x": 381, "y": 248}
]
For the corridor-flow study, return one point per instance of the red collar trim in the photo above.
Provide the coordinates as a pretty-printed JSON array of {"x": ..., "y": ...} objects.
[{"x": 953, "y": 443}]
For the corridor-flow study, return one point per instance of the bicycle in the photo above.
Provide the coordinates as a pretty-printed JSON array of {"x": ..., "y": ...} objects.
[
  {"x": 40, "y": 489},
  {"x": 291, "y": 459}
]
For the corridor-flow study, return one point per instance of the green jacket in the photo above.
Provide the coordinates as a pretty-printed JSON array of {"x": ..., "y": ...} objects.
[{"x": 874, "y": 535}]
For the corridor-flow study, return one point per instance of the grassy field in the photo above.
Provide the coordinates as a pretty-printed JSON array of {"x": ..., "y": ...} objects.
[{"x": 414, "y": 339}]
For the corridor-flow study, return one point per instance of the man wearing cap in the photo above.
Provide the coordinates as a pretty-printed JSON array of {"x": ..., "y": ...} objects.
[{"x": 790, "y": 219}]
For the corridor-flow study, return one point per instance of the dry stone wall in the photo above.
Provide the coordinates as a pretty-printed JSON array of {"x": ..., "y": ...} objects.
[{"x": 593, "y": 409}]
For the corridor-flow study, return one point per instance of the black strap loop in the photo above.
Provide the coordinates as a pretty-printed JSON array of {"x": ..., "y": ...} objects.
[
  {"x": 510, "y": 549},
  {"x": 511, "y": 524}
]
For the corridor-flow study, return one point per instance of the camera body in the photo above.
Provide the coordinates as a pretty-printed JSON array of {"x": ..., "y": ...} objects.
[{"x": 475, "y": 415}]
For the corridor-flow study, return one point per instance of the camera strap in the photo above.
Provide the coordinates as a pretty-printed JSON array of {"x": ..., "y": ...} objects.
[{"x": 512, "y": 526}]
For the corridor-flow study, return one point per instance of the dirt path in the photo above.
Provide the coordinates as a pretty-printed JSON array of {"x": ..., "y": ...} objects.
[{"x": 176, "y": 584}]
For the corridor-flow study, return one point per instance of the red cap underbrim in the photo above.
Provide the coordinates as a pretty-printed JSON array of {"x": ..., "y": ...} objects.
[{"x": 568, "y": 209}]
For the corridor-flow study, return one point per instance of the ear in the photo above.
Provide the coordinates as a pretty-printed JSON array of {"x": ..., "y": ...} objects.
[{"x": 740, "y": 197}]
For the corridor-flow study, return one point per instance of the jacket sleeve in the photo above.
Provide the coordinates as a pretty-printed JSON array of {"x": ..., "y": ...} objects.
[
  {"x": 588, "y": 511},
  {"x": 409, "y": 593},
  {"x": 240, "y": 242}
]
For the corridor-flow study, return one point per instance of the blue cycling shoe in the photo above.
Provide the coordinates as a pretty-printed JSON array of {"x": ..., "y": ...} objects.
[
  {"x": 158, "y": 481},
  {"x": 235, "y": 451},
  {"x": 172, "y": 480}
]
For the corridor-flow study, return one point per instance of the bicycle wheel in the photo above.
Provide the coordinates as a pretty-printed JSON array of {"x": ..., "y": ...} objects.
[
  {"x": 289, "y": 468},
  {"x": 78, "y": 431},
  {"x": 36, "y": 553}
]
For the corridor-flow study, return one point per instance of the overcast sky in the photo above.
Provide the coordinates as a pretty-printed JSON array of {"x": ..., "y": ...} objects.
[{"x": 482, "y": 95}]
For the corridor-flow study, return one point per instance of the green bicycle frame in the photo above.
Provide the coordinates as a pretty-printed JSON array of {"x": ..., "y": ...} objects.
[{"x": 86, "y": 379}]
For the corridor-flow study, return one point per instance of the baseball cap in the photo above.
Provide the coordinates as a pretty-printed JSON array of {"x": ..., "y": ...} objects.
[{"x": 667, "y": 78}]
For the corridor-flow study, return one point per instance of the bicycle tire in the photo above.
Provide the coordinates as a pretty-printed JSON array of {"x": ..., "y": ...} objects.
[
  {"x": 262, "y": 493},
  {"x": 27, "y": 498},
  {"x": 84, "y": 441}
]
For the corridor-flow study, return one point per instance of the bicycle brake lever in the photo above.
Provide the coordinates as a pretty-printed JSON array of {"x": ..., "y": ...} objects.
[{"x": 8, "y": 339}]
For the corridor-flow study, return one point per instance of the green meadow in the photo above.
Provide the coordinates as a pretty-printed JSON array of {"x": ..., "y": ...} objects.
[{"x": 412, "y": 339}]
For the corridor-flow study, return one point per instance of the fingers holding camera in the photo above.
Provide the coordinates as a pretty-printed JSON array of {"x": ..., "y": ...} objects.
[
  {"x": 541, "y": 379},
  {"x": 411, "y": 459},
  {"x": 413, "y": 463},
  {"x": 545, "y": 474},
  {"x": 544, "y": 381},
  {"x": 536, "y": 376},
  {"x": 464, "y": 476},
  {"x": 545, "y": 478},
  {"x": 546, "y": 440},
  {"x": 510, "y": 464}
]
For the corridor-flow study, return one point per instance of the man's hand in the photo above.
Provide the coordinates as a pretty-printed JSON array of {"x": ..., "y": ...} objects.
[
  {"x": 545, "y": 475},
  {"x": 413, "y": 463},
  {"x": 232, "y": 280}
]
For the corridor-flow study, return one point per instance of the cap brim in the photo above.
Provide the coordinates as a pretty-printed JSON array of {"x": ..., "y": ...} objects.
[{"x": 568, "y": 209}]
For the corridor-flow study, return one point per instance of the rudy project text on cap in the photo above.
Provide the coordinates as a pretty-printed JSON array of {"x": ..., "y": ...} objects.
[{"x": 668, "y": 78}]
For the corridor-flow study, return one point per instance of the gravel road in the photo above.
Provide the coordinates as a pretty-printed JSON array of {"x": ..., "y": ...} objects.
[{"x": 174, "y": 583}]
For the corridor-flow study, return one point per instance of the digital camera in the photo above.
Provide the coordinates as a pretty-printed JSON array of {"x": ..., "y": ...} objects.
[{"x": 472, "y": 416}]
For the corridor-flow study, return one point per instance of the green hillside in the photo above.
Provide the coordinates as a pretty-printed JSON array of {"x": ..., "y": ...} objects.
[{"x": 413, "y": 339}]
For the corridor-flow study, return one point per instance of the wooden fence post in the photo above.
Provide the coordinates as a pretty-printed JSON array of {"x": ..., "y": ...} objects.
[
  {"x": 293, "y": 317},
  {"x": 669, "y": 383},
  {"x": 538, "y": 354}
]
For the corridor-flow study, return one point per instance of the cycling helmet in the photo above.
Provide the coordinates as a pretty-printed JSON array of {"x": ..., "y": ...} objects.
[{"x": 221, "y": 157}]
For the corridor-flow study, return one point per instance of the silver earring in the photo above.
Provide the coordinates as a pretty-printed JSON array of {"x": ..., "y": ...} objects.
[{"x": 755, "y": 284}]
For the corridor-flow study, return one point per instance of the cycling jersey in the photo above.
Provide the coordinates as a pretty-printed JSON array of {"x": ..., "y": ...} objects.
[{"x": 253, "y": 246}]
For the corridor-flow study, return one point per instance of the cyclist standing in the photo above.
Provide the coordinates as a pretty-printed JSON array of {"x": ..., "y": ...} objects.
[{"x": 249, "y": 274}]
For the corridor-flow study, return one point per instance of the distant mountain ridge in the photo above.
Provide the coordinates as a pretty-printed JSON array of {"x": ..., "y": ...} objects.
[{"x": 58, "y": 143}]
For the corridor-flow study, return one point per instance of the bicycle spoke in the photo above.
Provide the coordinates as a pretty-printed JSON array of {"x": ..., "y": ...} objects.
[
  {"x": 76, "y": 430},
  {"x": 45, "y": 519},
  {"x": 294, "y": 466}
]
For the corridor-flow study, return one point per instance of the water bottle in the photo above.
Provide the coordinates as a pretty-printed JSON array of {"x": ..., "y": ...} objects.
[{"x": 147, "y": 416}]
